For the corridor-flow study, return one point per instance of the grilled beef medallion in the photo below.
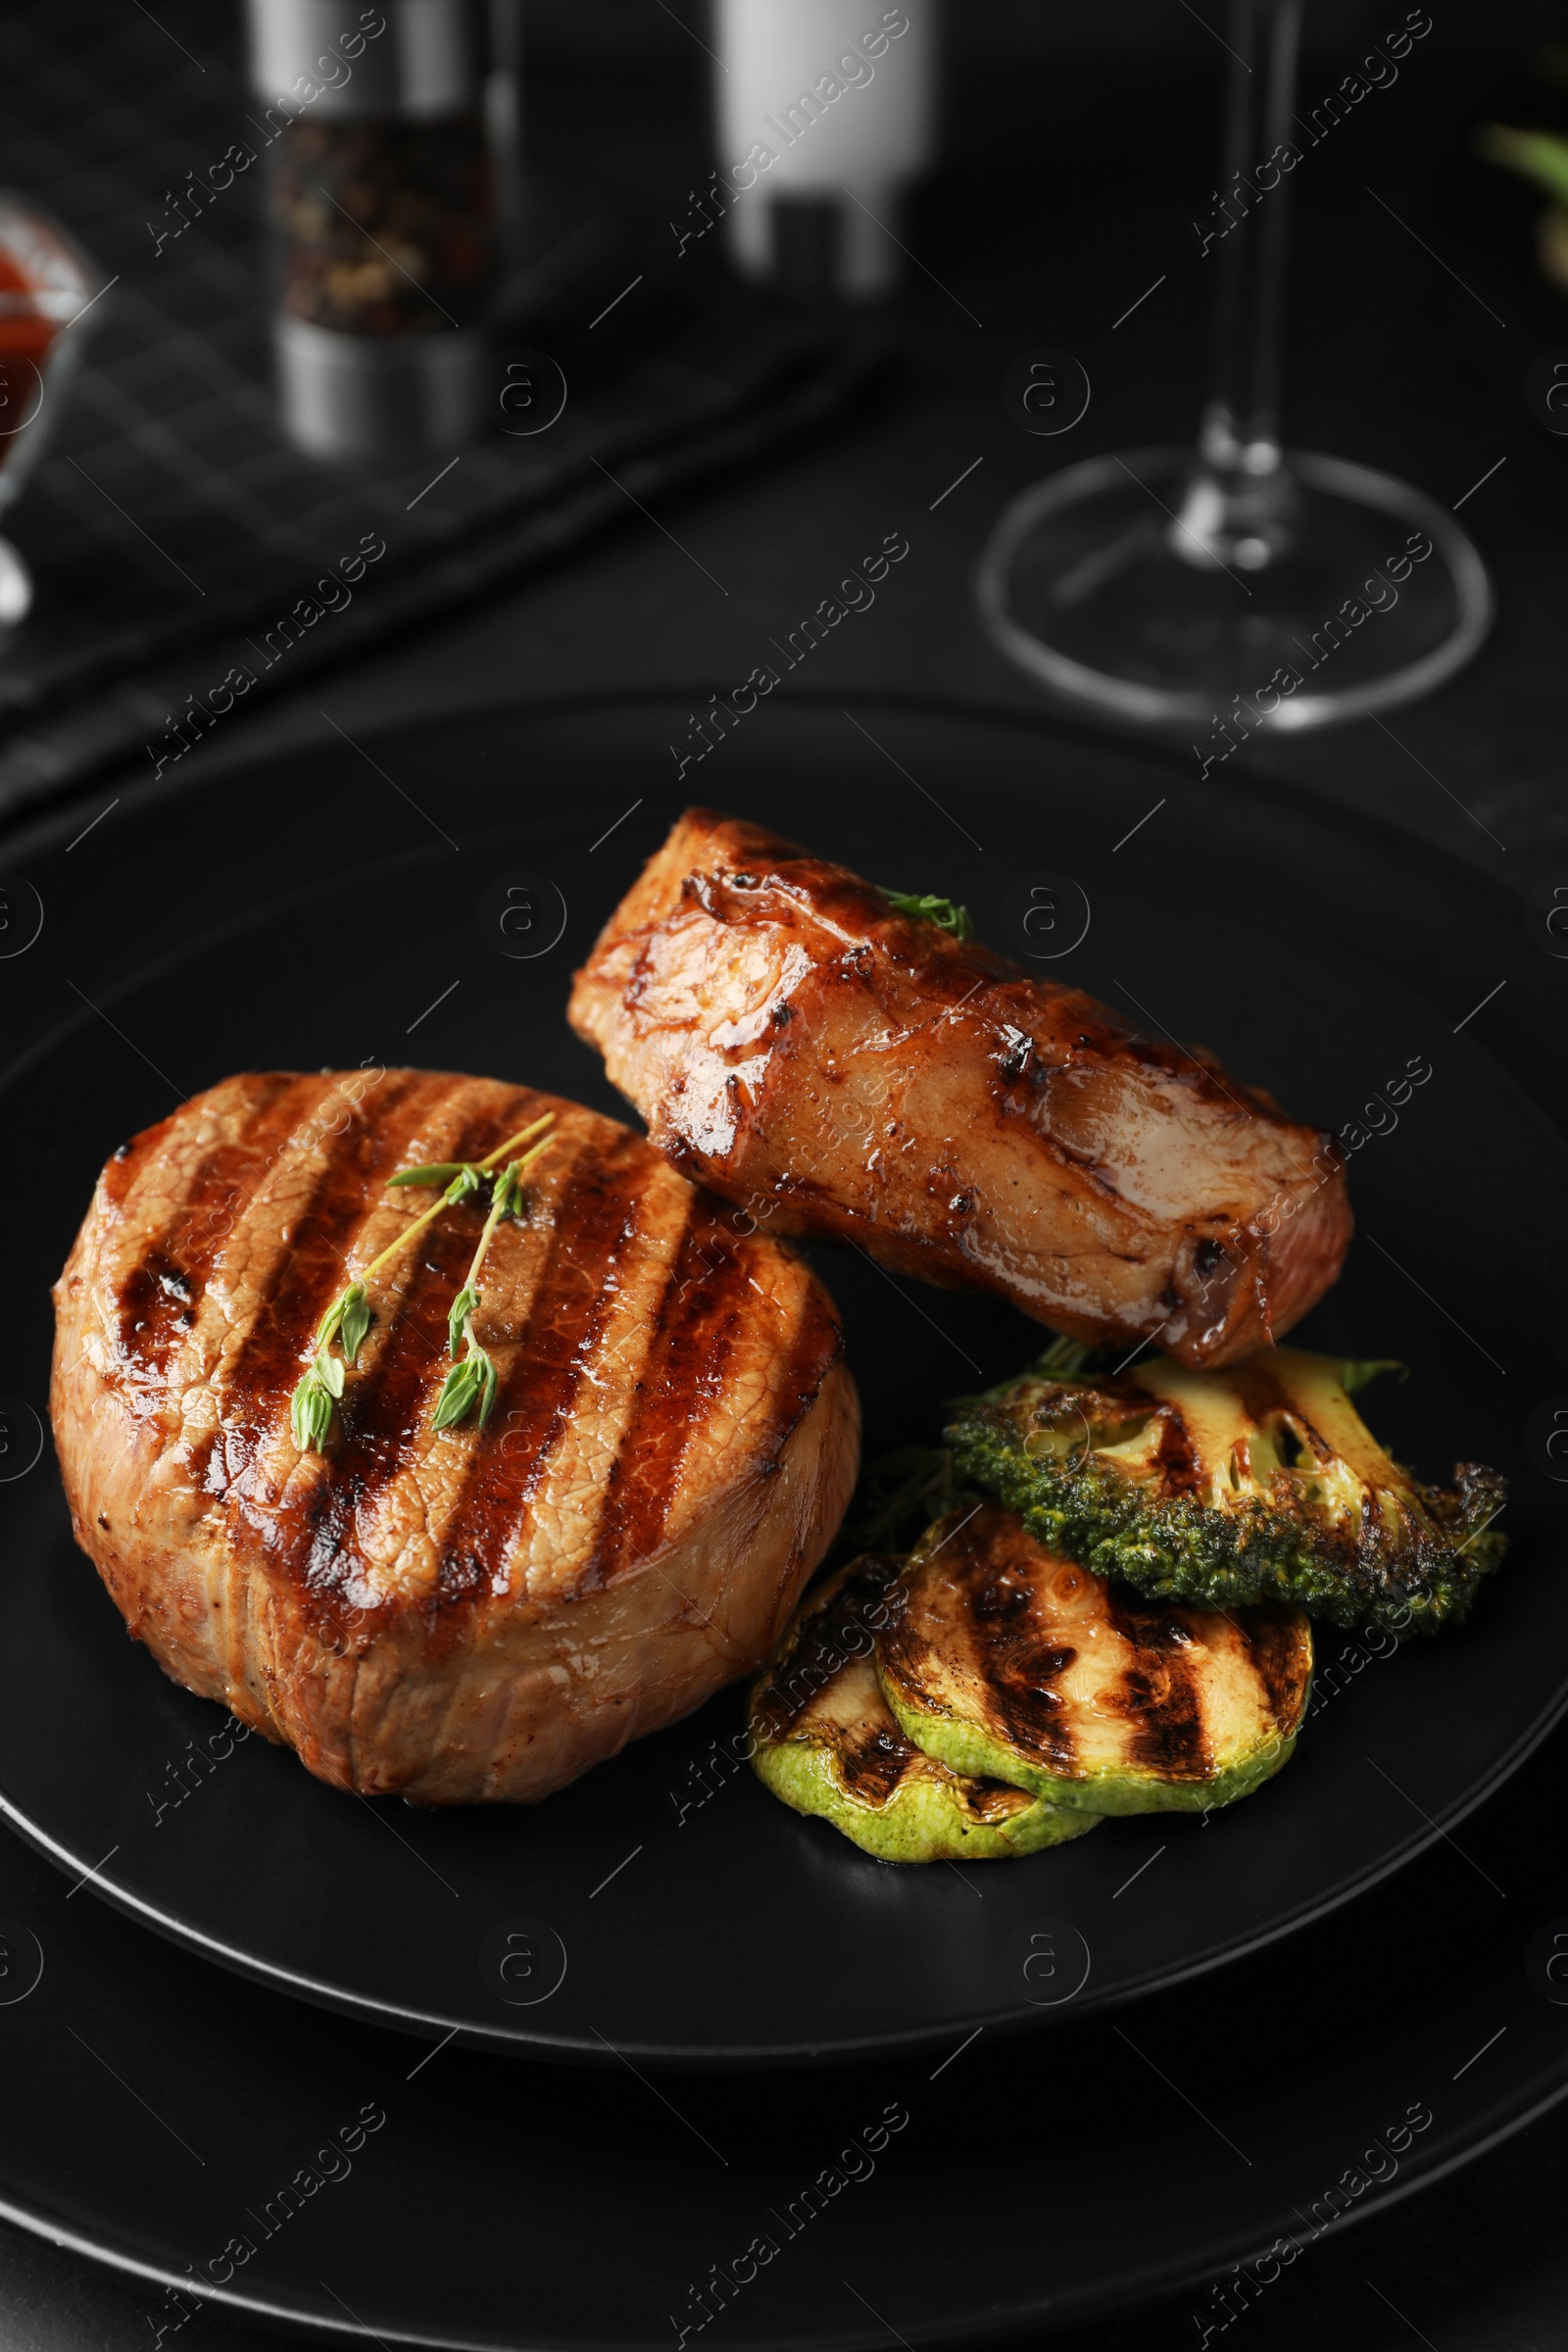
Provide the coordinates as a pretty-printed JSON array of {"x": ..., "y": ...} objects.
[
  {"x": 480, "y": 1611},
  {"x": 843, "y": 1069}
]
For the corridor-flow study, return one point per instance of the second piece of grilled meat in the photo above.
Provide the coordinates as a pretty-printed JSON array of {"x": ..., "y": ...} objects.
[{"x": 841, "y": 1069}]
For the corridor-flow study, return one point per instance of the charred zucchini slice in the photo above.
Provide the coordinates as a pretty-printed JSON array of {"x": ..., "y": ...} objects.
[
  {"x": 1261, "y": 1483},
  {"x": 1007, "y": 1661},
  {"x": 824, "y": 1741}
]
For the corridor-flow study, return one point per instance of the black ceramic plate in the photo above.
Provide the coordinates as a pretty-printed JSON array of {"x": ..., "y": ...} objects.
[
  {"x": 306, "y": 913},
  {"x": 204, "y": 2132}
]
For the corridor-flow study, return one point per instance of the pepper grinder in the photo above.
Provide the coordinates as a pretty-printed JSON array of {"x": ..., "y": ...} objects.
[{"x": 384, "y": 194}]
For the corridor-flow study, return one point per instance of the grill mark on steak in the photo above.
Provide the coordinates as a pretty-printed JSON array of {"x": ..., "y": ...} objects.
[
  {"x": 381, "y": 1411},
  {"x": 128, "y": 1162},
  {"x": 597, "y": 1217},
  {"x": 156, "y": 1299},
  {"x": 309, "y": 1272},
  {"x": 153, "y": 1306},
  {"x": 698, "y": 1320},
  {"x": 307, "y": 1276},
  {"x": 817, "y": 1348}
]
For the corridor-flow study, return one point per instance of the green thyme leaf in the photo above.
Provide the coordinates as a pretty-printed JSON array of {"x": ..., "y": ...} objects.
[
  {"x": 472, "y": 1382},
  {"x": 356, "y": 1321},
  {"x": 462, "y": 1306},
  {"x": 507, "y": 1200},
  {"x": 349, "y": 1318},
  {"x": 323, "y": 1421},
  {"x": 311, "y": 1412},
  {"x": 328, "y": 1329},
  {"x": 456, "y": 1394},
  {"x": 440, "y": 1171},
  {"x": 320, "y": 1421},
  {"x": 931, "y": 910}
]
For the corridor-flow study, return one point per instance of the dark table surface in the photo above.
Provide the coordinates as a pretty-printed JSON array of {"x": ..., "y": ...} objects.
[{"x": 1074, "y": 152}]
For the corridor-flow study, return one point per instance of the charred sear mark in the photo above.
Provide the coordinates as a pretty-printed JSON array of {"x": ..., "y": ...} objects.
[
  {"x": 313, "y": 1538},
  {"x": 1157, "y": 1694},
  {"x": 999, "y": 1602},
  {"x": 599, "y": 1225},
  {"x": 1017, "y": 1669},
  {"x": 826, "y": 1641},
  {"x": 126, "y": 1161},
  {"x": 1175, "y": 1457},
  {"x": 309, "y": 1271},
  {"x": 992, "y": 1801},
  {"x": 381, "y": 1412},
  {"x": 154, "y": 1303},
  {"x": 1277, "y": 1648},
  {"x": 872, "y": 1760},
  {"x": 698, "y": 1320}
]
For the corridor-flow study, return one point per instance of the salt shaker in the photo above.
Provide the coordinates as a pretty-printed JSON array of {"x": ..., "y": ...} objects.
[
  {"x": 825, "y": 115},
  {"x": 382, "y": 193}
]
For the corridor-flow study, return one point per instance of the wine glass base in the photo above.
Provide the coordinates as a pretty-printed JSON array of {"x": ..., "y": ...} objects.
[{"x": 1090, "y": 584}]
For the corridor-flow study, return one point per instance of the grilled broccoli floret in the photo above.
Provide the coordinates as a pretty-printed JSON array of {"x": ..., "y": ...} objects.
[{"x": 1258, "y": 1484}]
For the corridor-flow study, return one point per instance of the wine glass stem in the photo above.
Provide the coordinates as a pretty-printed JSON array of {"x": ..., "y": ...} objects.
[{"x": 1235, "y": 505}]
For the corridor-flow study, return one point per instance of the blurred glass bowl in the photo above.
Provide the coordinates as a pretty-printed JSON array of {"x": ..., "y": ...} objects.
[{"x": 46, "y": 283}]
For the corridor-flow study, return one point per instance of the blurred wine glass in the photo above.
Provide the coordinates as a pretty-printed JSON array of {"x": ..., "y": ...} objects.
[
  {"x": 46, "y": 283},
  {"x": 1238, "y": 586}
]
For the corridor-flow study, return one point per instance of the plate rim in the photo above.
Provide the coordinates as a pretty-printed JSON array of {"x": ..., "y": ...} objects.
[
  {"x": 1133, "y": 2289},
  {"x": 777, "y": 2057}
]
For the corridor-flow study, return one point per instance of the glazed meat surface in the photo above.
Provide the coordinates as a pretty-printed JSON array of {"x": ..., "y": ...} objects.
[
  {"x": 839, "y": 1069},
  {"x": 477, "y": 1612}
]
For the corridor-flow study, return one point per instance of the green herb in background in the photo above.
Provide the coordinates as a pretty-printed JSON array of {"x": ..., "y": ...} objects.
[
  {"x": 1541, "y": 157},
  {"x": 1537, "y": 155}
]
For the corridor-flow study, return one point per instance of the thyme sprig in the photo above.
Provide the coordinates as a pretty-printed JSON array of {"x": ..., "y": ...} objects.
[
  {"x": 944, "y": 912},
  {"x": 473, "y": 1377},
  {"x": 348, "y": 1319}
]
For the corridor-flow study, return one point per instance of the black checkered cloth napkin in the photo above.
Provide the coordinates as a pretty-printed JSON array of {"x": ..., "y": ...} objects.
[{"x": 170, "y": 527}]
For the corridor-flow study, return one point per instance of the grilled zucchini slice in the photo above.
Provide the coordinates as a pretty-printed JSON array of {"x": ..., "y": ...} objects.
[
  {"x": 1009, "y": 1662},
  {"x": 824, "y": 1741}
]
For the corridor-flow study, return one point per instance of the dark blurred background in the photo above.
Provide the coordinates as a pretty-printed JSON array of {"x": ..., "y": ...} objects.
[
  {"x": 1074, "y": 146},
  {"x": 1075, "y": 142}
]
